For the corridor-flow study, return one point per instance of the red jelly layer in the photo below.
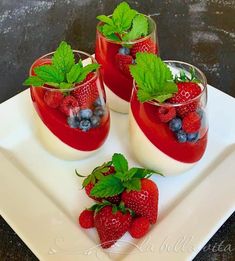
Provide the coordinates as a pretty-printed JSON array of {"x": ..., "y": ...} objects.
[
  {"x": 116, "y": 81},
  {"x": 162, "y": 137},
  {"x": 56, "y": 122}
]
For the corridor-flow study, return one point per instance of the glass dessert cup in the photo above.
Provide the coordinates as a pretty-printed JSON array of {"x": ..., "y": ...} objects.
[
  {"x": 116, "y": 75},
  {"x": 71, "y": 128},
  {"x": 164, "y": 146}
]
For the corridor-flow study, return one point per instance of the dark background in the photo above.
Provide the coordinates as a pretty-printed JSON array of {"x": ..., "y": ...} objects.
[{"x": 198, "y": 32}]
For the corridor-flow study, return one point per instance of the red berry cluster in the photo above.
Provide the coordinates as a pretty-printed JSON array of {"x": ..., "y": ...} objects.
[
  {"x": 126, "y": 56},
  {"x": 83, "y": 96},
  {"x": 132, "y": 211}
]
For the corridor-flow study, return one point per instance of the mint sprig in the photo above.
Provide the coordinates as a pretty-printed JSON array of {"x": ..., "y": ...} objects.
[
  {"x": 63, "y": 72},
  {"x": 124, "y": 178},
  {"x": 125, "y": 24},
  {"x": 153, "y": 77}
]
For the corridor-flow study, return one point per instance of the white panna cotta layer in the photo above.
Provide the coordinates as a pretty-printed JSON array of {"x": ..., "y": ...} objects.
[
  {"x": 55, "y": 146},
  {"x": 115, "y": 102},
  {"x": 149, "y": 155}
]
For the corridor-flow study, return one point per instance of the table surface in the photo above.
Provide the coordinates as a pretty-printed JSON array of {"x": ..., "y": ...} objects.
[{"x": 198, "y": 32}]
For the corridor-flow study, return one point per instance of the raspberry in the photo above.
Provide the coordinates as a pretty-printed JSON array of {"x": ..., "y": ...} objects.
[
  {"x": 166, "y": 114},
  {"x": 139, "y": 227},
  {"x": 191, "y": 122},
  {"x": 53, "y": 98},
  {"x": 69, "y": 105},
  {"x": 86, "y": 219}
]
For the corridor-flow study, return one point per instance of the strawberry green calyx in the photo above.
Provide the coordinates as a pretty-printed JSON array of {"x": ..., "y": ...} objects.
[
  {"x": 183, "y": 77},
  {"x": 115, "y": 208},
  {"x": 125, "y": 24},
  {"x": 123, "y": 179},
  {"x": 96, "y": 174},
  {"x": 63, "y": 72},
  {"x": 153, "y": 78}
]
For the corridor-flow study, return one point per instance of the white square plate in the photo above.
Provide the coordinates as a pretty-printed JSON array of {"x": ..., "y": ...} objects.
[{"x": 41, "y": 197}]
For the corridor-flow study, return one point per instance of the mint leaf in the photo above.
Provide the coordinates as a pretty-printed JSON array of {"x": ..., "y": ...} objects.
[
  {"x": 154, "y": 79},
  {"x": 113, "y": 37},
  {"x": 108, "y": 186},
  {"x": 86, "y": 70},
  {"x": 34, "y": 81},
  {"x": 145, "y": 173},
  {"x": 49, "y": 73},
  {"x": 120, "y": 163},
  {"x": 123, "y": 16},
  {"x": 74, "y": 73},
  {"x": 133, "y": 184},
  {"x": 105, "y": 19},
  {"x": 108, "y": 30},
  {"x": 65, "y": 85},
  {"x": 139, "y": 28},
  {"x": 63, "y": 58}
]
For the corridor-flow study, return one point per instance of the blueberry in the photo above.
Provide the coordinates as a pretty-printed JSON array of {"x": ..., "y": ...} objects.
[
  {"x": 193, "y": 137},
  {"x": 175, "y": 124},
  {"x": 85, "y": 125},
  {"x": 86, "y": 114},
  {"x": 99, "y": 111},
  {"x": 98, "y": 102},
  {"x": 124, "y": 50},
  {"x": 73, "y": 121},
  {"x": 181, "y": 136},
  {"x": 95, "y": 121}
]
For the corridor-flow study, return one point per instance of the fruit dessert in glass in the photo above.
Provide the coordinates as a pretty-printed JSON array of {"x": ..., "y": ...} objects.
[
  {"x": 119, "y": 37},
  {"x": 168, "y": 123},
  {"x": 68, "y": 95}
]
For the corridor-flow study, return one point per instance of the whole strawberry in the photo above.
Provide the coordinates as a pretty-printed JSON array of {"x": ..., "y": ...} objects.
[
  {"x": 144, "y": 202},
  {"x": 147, "y": 46},
  {"x": 112, "y": 223},
  {"x": 86, "y": 92},
  {"x": 86, "y": 219},
  {"x": 137, "y": 192},
  {"x": 188, "y": 89},
  {"x": 97, "y": 174},
  {"x": 123, "y": 62}
]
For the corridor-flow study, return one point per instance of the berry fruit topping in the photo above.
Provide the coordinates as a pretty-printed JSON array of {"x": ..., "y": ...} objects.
[
  {"x": 147, "y": 46},
  {"x": 86, "y": 219},
  {"x": 95, "y": 121},
  {"x": 69, "y": 106},
  {"x": 73, "y": 121},
  {"x": 192, "y": 137},
  {"x": 191, "y": 122},
  {"x": 123, "y": 62},
  {"x": 124, "y": 51},
  {"x": 181, "y": 136},
  {"x": 166, "y": 114},
  {"x": 139, "y": 227},
  {"x": 175, "y": 124},
  {"x": 99, "y": 111},
  {"x": 85, "y": 114},
  {"x": 53, "y": 98},
  {"x": 85, "y": 125}
]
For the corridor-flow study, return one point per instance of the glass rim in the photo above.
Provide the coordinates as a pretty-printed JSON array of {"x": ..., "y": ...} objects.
[
  {"x": 167, "y": 104},
  {"x": 129, "y": 42},
  {"x": 96, "y": 73}
]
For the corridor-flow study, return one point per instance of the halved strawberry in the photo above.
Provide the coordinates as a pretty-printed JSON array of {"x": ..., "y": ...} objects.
[
  {"x": 186, "y": 92},
  {"x": 86, "y": 92},
  {"x": 123, "y": 62},
  {"x": 147, "y": 46}
]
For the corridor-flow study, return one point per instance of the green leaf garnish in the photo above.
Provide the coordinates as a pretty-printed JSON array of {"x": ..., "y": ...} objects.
[
  {"x": 139, "y": 28},
  {"x": 62, "y": 73},
  {"x": 122, "y": 179},
  {"x": 63, "y": 58},
  {"x": 154, "y": 79},
  {"x": 125, "y": 24},
  {"x": 108, "y": 186},
  {"x": 120, "y": 163}
]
